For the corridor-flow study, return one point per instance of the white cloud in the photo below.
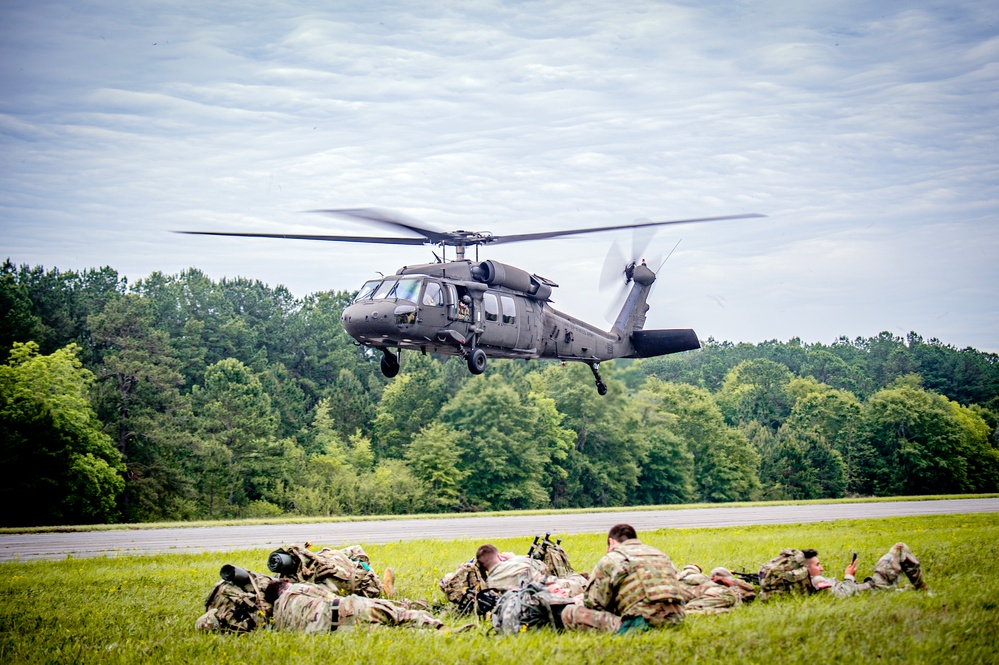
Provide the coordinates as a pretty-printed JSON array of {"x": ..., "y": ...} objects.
[{"x": 866, "y": 133}]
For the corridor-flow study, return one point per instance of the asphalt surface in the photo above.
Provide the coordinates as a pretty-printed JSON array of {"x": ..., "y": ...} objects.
[{"x": 226, "y": 538}]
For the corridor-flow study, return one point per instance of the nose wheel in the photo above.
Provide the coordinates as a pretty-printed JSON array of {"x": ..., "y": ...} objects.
[
  {"x": 601, "y": 386},
  {"x": 477, "y": 361},
  {"x": 390, "y": 364}
]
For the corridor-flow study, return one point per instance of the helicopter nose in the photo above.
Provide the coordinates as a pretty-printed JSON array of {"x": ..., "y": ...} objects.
[{"x": 376, "y": 321}]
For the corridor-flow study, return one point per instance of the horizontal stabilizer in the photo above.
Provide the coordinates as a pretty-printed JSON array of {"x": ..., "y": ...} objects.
[{"x": 651, "y": 343}]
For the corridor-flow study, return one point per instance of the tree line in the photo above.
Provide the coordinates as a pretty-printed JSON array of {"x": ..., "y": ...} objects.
[{"x": 180, "y": 397}]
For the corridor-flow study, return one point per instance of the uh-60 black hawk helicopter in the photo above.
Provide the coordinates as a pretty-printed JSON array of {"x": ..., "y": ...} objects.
[{"x": 479, "y": 309}]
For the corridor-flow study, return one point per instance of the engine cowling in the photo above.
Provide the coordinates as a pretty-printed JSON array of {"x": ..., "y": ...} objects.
[{"x": 495, "y": 273}]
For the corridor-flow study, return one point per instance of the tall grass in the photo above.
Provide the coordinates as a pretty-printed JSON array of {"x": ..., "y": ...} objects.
[{"x": 131, "y": 609}]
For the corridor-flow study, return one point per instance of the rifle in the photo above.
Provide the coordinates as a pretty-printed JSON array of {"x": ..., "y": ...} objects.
[
  {"x": 539, "y": 548},
  {"x": 533, "y": 551},
  {"x": 746, "y": 576}
]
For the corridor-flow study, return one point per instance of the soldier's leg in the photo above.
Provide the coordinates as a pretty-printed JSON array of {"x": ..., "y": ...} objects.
[
  {"x": 714, "y": 601},
  {"x": 578, "y": 617},
  {"x": 357, "y": 611},
  {"x": 910, "y": 565},
  {"x": 889, "y": 568},
  {"x": 418, "y": 619}
]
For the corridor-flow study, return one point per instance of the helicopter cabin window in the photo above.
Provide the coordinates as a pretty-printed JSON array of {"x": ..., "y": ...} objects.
[
  {"x": 433, "y": 295},
  {"x": 509, "y": 309},
  {"x": 491, "y": 306},
  {"x": 367, "y": 290},
  {"x": 405, "y": 289}
]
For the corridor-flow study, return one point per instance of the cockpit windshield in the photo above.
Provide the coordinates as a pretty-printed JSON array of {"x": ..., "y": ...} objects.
[
  {"x": 406, "y": 289},
  {"x": 403, "y": 289},
  {"x": 367, "y": 290}
]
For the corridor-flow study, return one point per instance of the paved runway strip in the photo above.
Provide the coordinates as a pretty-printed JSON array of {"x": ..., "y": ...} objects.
[{"x": 225, "y": 538}]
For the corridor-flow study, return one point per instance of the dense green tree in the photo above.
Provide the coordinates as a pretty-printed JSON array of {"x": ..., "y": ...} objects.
[
  {"x": 725, "y": 465},
  {"x": 62, "y": 301},
  {"x": 603, "y": 467},
  {"x": 352, "y": 401},
  {"x": 408, "y": 404},
  {"x": 806, "y": 409},
  {"x": 925, "y": 444},
  {"x": 139, "y": 399},
  {"x": 668, "y": 473},
  {"x": 828, "y": 418},
  {"x": 797, "y": 464},
  {"x": 18, "y": 322},
  {"x": 503, "y": 462},
  {"x": 756, "y": 390},
  {"x": 237, "y": 426},
  {"x": 434, "y": 455},
  {"x": 61, "y": 468}
]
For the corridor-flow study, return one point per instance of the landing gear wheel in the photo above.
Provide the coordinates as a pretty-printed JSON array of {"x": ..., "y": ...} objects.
[
  {"x": 477, "y": 361},
  {"x": 390, "y": 365},
  {"x": 601, "y": 388}
]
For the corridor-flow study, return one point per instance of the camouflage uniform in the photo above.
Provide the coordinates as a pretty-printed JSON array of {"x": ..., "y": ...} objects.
[
  {"x": 345, "y": 571},
  {"x": 632, "y": 584},
  {"x": 311, "y": 608},
  {"x": 887, "y": 572},
  {"x": 741, "y": 588},
  {"x": 704, "y": 596},
  {"x": 231, "y": 608},
  {"x": 507, "y": 575}
]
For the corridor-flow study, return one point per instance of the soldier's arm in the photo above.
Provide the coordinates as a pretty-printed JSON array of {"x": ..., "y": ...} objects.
[{"x": 605, "y": 579}]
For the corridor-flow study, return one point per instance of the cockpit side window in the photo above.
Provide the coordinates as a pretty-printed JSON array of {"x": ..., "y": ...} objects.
[
  {"x": 367, "y": 290},
  {"x": 433, "y": 295}
]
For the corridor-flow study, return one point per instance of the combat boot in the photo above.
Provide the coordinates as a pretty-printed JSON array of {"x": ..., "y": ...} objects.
[{"x": 388, "y": 582}]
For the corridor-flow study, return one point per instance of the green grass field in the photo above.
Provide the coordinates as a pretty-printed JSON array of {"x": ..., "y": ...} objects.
[{"x": 132, "y": 609}]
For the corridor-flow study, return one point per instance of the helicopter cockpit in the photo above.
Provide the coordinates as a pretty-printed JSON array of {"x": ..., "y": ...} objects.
[
  {"x": 402, "y": 297},
  {"x": 400, "y": 289}
]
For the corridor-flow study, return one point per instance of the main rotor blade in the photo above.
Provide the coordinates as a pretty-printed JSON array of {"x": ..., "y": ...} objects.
[
  {"x": 571, "y": 232},
  {"x": 294, "y": 236},
  {"x": 389, "y": 218}
]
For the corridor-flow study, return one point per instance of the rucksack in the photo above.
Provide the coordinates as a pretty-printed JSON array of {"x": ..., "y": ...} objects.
[
  {"x": 530, "y": 606},
  {"x": 557, "y": 561},
  {"x": 235, "y": 608},
  {"x": 467, "y": 577},
  {"x": 344, "y": 571},
  {"x": 552, "y": 555},
  {"x": 464, "y": 588},
  {"x": 785, "y": 573}
]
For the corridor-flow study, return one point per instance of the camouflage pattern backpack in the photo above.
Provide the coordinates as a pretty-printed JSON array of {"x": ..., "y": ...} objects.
[
  {"x": 465, "y": 587},
  {"x": 467, "y": 577},
  {"x": 551, "y": 555},
  {"x": 557, "y": 561},
  {"x": 345, "y": 571},
  {"x": 530, "y": 606},
  {"x": 234, "y": 608},
  {"x": 785, "y": 573}
]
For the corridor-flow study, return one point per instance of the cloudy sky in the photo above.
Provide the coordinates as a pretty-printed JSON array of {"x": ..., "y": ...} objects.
[{"x": 866, "y": 132}]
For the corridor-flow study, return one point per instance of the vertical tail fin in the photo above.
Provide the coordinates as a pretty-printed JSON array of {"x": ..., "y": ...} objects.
[{"x": 632, "y": 314}]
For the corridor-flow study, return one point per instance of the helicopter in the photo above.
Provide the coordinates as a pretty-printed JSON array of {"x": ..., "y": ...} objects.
[{"x": 481, "y": 309}]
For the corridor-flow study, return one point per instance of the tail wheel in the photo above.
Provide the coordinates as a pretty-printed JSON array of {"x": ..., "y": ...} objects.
[{"x": 477, "y": 361}]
